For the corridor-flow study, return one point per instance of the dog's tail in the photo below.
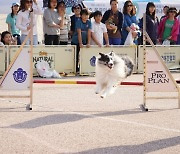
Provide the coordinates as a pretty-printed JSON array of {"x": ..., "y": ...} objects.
[{"x": 129, "y": 65}]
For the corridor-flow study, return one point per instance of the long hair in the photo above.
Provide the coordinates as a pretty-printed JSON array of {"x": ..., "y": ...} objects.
[
  {"x": 12, "y": 13},
  {"x": 133, "y": 12},
  {"x": 23, "y": 6},
  {"x": 153, "y": 15},
  {"x": 49, "y": 3}
]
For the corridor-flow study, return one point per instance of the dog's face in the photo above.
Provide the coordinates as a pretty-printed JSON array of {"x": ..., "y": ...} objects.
[{"x": 107, "y": 59}]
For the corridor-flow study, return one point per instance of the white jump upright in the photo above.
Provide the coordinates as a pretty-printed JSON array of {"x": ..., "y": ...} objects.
[
  {"x": 19, "y": 75},
  {"x": 157, "y": 77}
]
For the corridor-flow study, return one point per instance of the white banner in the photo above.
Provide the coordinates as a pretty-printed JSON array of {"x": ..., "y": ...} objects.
[
  {"x": 18, "y": 76},
  {"x": 2, "y": 60},
  {"x": 88, "y": 56},
  {"x": 59, "y": 58},
  {"x": 158, "y": 78}
]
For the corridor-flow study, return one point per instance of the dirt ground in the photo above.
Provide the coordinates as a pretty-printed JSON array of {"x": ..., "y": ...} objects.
[{"x": 72, "y": 119}]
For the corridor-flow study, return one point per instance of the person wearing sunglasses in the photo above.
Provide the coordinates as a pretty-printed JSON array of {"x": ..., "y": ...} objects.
[
  {"x": 11, "y": 21},
  {"x": 169, "y": 27},
  {"x": 24, "y": 19},
  {"x": 129, "y": 19},
  {"x": 76, "y": 9}
]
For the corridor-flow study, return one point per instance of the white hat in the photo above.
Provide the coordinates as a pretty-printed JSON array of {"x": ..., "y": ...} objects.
[{"x": 16, "y": 3}]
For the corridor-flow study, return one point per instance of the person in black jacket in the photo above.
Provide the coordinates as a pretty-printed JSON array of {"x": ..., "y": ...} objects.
[
  {"x": 152, "y": 23},
  {"x": 113, "y": 19}
]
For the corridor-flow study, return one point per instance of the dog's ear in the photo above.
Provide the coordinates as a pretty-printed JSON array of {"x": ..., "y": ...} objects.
[
  {"x": 101, "y": 54},
  {"x": 111, "y": 53}
]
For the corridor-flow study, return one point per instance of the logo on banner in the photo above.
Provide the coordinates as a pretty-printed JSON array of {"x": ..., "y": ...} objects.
[
  {"x": 43, "y": 55},
  {"x": 158, "y": 77},
  {"x": 93, "y": 61},
  {"x": 20, "y": 75}
]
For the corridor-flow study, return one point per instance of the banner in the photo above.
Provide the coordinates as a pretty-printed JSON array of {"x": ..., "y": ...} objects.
[
  {"x": 18, "y": 76},
  {"x": 170, "y": 55},
  {"x": 88, "y": 56},
  {"x": 2, "y": 60},
  {"x": 59, "y": 58},
  {"x": 158, "y": 78}
]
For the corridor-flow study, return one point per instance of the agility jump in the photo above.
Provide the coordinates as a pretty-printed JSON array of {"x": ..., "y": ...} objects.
[
  {"x": 19, "y": 75},
  {"x": 153, "y": 79}
]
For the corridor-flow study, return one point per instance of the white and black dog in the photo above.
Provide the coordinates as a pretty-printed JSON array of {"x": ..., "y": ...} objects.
[{"x": 111, "y": 69}]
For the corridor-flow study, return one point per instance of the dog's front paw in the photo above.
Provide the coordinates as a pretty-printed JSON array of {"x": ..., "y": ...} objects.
[
  {"x": 96, "y": 92},
  {"x": 103, "y": 96}
]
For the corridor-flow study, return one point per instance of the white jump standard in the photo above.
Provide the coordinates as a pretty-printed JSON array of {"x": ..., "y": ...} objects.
[{"x": 157, "y": 77}]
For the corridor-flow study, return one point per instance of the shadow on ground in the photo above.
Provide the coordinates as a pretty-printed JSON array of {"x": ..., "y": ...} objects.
[
  {"x": 65, "y": 118},
  {"x": 136, "y": 149}
]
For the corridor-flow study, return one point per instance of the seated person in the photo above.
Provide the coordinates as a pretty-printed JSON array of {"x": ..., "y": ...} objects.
[{"x": 7, "y": 39}]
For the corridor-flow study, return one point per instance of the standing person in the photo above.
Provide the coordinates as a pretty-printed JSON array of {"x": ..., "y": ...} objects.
[
  {"x": 82, "y": 34},
  {"x": 178, "y": 17},
  {"x": 113, "y": 19},
  {"x": 169, "y": 27},
  {"x": 165, "y": 10},
  {"x": 51, "y": 23},
  {"x": 11, "y": 21},
  {"x": 129, "y": 19},
  {"x": 99, "y": 31},
  {"x": 64, "y": 23},
  {"x": 24, "y": 19},
  {"x": 152, "y": 23},
  {"x": 76, "y": 9}
]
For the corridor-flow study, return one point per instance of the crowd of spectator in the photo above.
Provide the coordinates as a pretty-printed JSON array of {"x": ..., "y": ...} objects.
[{"x": 82, "y": 30}]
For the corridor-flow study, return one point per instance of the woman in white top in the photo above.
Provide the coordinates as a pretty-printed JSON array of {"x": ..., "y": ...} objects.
[{"x": 24, "y": 19}]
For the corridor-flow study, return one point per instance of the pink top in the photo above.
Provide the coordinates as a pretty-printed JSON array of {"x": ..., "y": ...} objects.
[{"x": 174, "y": 32}]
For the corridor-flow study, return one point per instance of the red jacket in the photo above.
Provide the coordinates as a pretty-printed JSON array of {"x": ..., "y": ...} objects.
[{"x": 174, "y": 32}]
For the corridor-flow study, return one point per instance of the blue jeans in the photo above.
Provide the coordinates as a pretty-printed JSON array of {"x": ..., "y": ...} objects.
[
  {"x": 115, "y": 41},
  {"x": 35, "y": 40}
]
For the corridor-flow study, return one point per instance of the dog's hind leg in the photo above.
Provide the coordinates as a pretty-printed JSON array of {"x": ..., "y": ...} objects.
[
  {"x": 99, "y": 88},
  {"x": 108, "y": 90}
]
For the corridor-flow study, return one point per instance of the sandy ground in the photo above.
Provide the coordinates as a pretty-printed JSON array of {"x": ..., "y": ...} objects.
[
  {"x": 3, "y": 25},
  {"x": 72, "y": 119}
]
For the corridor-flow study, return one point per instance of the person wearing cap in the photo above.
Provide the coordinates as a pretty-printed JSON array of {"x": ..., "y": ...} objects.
[
  {"x": 11, "y": 21},
  {"x": 169, "y": 27},
  {"x": 76, "y": 9},
  {"x": 24, "y": 19}
]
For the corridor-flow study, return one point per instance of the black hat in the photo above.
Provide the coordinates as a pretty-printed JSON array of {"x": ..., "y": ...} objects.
[{"x": 76, "y": 6}]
